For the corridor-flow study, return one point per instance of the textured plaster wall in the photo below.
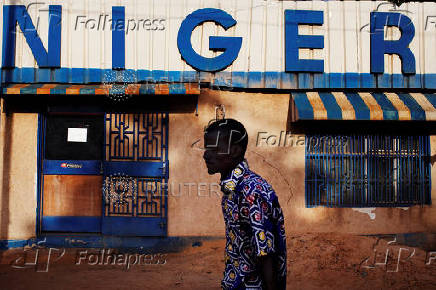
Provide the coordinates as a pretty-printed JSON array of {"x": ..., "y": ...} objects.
[
  {"x": 194, "y": 197},
  {"x": 18, "y": 144}
]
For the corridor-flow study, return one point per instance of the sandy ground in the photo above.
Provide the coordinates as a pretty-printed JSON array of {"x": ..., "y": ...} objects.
[{"x": 315, "y": 261}]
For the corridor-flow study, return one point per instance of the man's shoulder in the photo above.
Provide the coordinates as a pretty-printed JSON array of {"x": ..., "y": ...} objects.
[{"x": 253, "y": 183}]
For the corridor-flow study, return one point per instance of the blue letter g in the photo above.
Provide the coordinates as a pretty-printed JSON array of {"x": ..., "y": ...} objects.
[{"x": 229, "y": 45}]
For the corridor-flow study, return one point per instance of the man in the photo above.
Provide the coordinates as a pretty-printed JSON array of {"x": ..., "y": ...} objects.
[{"x": 255, "y": 254}]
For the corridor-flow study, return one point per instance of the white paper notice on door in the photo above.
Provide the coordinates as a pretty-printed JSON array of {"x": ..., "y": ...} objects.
[{"x": 77, "y": 134}]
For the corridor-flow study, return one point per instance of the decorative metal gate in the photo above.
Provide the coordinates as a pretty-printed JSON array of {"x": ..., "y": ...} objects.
[{"x": 135, "y": 174}]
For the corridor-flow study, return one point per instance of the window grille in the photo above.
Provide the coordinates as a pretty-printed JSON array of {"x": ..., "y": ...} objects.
[{"x": 367, "y": 170}]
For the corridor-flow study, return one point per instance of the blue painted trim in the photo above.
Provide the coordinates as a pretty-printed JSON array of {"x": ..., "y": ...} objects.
[
  {"x": 320, "y": 80},
  {"x": 38, "y": 172},
  {"x": 9, "y": 244},
  {"x": 389, "y": 111},
  {"x": 304, "y": 81},
  {"x": 334, "y": 112},
  {"x": 132, "y": 168},
  {"x": 429, "y": 81},
  {"x": 352, "y": 80},
  {"x": 337, "y": 80},
  {"x": 270, "y": 80},
  {"x": 416, "y": 112},
  {"x": 177, "y": 89},
  {"x": 360, "y": 108},
  {"x": 134, "y": 226},
  {"x": 431, "y": 98},
  {"x": 76, "y": 224},
  {"x": 278, "y": 80},
  {"x": 139, "y": 244},
  {"x": 304, "y": 108},
  {"x": 118, "y": 37},
  {"x": 65, "y": 167}
]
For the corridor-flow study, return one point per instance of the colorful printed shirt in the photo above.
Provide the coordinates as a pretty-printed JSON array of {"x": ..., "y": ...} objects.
[{"x": 254, "y": 227}]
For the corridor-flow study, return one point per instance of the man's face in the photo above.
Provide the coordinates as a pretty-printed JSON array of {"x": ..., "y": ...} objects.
[{"x": 217, "y": 153}]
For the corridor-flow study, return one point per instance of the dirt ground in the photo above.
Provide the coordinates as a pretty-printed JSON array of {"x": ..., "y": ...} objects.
[{"x": 315, "y": 261}]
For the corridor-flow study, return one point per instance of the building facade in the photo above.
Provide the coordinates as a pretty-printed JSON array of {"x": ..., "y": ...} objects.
[{"x": 104, "y": 106}]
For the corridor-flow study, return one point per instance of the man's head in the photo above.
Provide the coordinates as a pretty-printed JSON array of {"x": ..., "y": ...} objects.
[{"x": 225, "y": 143}]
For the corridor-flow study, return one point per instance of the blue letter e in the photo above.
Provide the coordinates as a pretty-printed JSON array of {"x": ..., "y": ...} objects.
[
  {"x": 294, "y": 41},
  {"x": 229, "y": 45}
]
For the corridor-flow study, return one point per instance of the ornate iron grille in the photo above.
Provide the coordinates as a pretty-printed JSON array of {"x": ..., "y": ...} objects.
[
  {"x": 146, "y": 198},
  {"x": 365, "y": 171},
  {"x": 136, "y": 138}
]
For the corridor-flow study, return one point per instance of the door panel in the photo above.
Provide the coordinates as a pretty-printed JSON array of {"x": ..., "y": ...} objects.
[
  {"x": 61, "y": 196},
  {"x": 72, "y": 203},
  {"x": 135, "y": 171},
  {"x": 72, "y": 178},
  {"x": 58, "y": 146}
]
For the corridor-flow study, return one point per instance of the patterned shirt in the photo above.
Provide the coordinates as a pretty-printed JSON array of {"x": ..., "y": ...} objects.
[{"x": 254, "y": 227}]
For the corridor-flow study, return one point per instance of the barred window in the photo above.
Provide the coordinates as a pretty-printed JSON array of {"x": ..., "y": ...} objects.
[{"x": 367, "y": 170}]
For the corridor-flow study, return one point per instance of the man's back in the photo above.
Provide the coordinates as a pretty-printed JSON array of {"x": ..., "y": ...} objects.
[{"x": 254, "y": 229}]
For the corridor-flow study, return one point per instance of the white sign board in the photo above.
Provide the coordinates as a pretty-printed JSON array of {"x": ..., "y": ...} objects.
[{"x": 77, "y": 134}]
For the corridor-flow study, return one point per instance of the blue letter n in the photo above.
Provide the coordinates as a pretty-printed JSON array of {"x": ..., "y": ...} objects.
[{"x": 44, "y": 58}]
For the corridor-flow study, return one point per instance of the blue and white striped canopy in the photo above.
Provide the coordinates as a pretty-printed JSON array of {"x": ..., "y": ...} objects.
[{"x": 363, "y": 106}]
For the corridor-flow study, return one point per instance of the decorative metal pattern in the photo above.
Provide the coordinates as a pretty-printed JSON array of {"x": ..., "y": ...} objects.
[
  {"x": 139, "y": 197},
  {"x": 136, "y": 138},
  {"x": 369, "y": 170}
]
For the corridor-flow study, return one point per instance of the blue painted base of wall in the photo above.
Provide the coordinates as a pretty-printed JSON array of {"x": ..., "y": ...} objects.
[
  {"x": 253, "y": 80},
  {"x": 425, "y": 241},
  {"x": 139, "y": 244},
  {"x": 86, "y": 224},
  {"x": 10, "y": 244}
]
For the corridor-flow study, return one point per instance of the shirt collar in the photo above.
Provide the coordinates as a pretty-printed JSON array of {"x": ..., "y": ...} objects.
[{"x": 228, "y": 185}]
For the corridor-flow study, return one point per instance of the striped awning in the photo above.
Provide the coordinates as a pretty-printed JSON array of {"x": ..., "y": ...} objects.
[
  {"x": 363, "y": 106},
  {"x": 103, "y": 89}
]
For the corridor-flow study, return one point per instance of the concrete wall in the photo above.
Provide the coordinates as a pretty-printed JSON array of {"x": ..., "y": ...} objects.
[
  {"x": 18, "y": 168},
  {"x": 194, "y": 209},
  {"x": 194, "y": 196}
]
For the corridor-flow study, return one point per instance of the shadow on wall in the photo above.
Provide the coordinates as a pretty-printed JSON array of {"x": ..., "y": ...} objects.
[{"x": 4, "y": 224}]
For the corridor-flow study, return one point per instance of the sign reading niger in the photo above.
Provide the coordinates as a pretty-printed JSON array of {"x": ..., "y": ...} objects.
[{"x": 229, "y": 46}]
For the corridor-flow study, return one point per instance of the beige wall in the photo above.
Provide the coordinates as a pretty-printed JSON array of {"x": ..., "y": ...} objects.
[
  {"x": 18, "y": 143},
  {"x": 194, "y": 197},
  {"x": 199, "y": 213}
]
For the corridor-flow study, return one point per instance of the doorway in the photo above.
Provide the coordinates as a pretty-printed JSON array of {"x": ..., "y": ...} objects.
[{"x": 105, "y": 173}]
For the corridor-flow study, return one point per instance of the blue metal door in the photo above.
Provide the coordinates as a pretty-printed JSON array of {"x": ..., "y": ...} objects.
[{"x": 135, "y": 174}]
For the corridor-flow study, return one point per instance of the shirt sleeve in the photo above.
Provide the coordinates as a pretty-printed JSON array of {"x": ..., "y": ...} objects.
[{"x": 261, "y": 224}]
